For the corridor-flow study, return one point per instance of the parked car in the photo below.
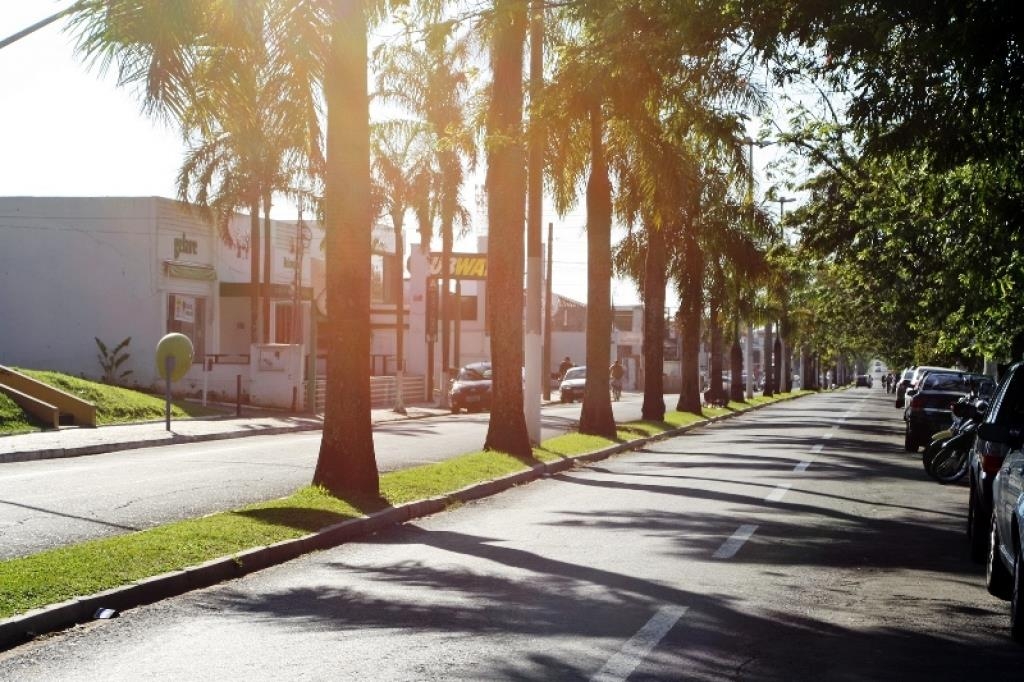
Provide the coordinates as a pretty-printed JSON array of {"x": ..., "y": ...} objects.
[
  {"x": 864, "y": 380},
  {"x": 902, "y": 384},
  {"x": 990, "y": 449},
  {"x": 471, "y": 388},
  {"x": 930, "y": 408},
  {"x": 573, "y": 384},
  {"x": 1004, "y": 572}
]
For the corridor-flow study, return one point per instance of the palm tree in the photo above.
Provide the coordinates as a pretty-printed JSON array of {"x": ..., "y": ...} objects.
[
  {"x": 400, "y": 162},
  {"x": 248, "y": 140},
  {"x": 157, "y": 46},
  {"x": 429, "y": 79},
  {"x": 506, "y": 212}
]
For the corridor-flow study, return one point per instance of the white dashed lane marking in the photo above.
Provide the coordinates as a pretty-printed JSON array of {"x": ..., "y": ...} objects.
[
  {"x": 779, "y": 492},
  {"x": 620, "y": 666},
  {"x": 733, "y": 544}
]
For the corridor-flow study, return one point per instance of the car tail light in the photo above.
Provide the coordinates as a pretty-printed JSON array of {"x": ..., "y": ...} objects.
[
  {"x": 916, "y": 403},
  {"x": 991, "y": 455}
]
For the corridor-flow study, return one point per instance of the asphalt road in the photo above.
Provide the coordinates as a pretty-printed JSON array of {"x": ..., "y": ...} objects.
[
  {"x": 794, "y": 543},
  {"x": 49, "y": 503}
]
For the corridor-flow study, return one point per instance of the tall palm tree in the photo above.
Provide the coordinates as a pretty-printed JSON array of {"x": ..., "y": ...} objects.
[
  {"x": 248, "y": 142},
  {"x": 400, "y": 162},
  {"x": 324, "y": 47},
  {"x": 429, "y": 78},
  {"x": 506, "y": 214}
]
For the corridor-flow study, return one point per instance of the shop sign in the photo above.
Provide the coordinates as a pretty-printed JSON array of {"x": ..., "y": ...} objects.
[
  {"x": 185, "y": 309},
  {"x": 184, "y": 245},
  {"x": 460, "y": 265}
]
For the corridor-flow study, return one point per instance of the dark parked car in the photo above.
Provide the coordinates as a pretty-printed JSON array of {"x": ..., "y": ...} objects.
[
  {"x": 573, "y": 383},
  {"x": 902, "y": 384},
  {"x": 471, "y": 389},
  {"x": 990, "y": 448},
  {"x": 931, "y": 403},
  {"x": 1004, "y": 574}
]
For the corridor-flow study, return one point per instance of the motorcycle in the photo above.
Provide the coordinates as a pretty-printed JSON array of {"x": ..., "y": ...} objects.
[
  {"x": 947, "y": 457},
  {"x": 616, "y": 386}
]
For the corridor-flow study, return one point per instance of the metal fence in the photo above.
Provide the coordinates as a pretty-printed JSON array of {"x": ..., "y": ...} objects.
[{"x": 382, "y": 391}]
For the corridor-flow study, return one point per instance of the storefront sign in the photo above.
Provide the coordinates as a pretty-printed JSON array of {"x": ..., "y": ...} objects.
[
  {"x": 185, "y": 309},
  {"x": 461, "y": 265},
  {"x": 184, "y": 245}
]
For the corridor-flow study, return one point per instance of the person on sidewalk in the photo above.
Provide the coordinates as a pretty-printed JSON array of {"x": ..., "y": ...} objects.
[{"x": 565, "y": 367}]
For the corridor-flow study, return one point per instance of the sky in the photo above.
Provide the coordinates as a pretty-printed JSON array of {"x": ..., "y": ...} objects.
[{"x": 67, "y": 130}]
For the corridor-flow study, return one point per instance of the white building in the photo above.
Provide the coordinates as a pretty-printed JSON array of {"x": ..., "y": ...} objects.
[{"x": 76, "y": 269}]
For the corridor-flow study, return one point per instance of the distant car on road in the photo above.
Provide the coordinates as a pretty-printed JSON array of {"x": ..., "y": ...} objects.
[
  {"x": 864, "y": 380},
  {"x": 573, "y": 384},
  {"x": 471, "y": 389}
]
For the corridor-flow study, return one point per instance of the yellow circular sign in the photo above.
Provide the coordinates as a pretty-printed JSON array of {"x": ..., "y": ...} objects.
[{"x": 178, "y": 348}]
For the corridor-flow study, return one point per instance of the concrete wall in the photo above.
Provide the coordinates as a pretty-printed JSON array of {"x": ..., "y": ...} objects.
[{"x": 74, "y": 269}]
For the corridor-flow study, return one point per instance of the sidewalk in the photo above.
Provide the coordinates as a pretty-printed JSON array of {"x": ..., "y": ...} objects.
[{"x": 74, "y": 441}]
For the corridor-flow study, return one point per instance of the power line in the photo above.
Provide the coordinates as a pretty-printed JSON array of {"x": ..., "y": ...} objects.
[{"x": 35, "y": 27}]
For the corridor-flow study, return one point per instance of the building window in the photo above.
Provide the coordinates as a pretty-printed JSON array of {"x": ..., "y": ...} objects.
[
  {"x": 186, "y": 315},
  {"x": 468, "y": 308},
  {"x": 624, "y": 320},
  {"x": 284, "y": 323}
]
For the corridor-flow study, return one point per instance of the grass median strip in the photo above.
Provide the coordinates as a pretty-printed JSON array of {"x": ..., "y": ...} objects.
[{"x": 59, "y": 574}]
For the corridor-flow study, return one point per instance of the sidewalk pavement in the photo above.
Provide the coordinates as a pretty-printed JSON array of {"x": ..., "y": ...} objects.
[{"x": 75, "y": 441}]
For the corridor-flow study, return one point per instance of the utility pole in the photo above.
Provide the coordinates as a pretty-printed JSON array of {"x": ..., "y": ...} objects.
[{"x": 534, "y": 220}]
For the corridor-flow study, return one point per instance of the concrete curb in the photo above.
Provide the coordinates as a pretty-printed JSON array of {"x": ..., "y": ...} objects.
[
  {"x": 176, "y": 439},
  {"x": 21, "y": 628}
]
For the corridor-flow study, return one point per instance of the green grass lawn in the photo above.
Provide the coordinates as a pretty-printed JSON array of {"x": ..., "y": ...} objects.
[
  {"x": 59, "y": 574},
  {"x": 114, "y": 405}
]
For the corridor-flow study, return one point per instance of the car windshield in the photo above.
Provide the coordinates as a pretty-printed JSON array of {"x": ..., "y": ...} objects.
[
  {"x": 982, "y": 384},
  {"x": 576, "y": 373},
  {"x": 936, "y": 381},
  {"x": 470, "y": 374}
]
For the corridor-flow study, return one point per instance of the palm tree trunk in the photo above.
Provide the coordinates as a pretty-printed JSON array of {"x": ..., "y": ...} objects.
[
  {"x": 766, "y": 360},
  {"x": 716, "y": 388},
  {"x": 655, "y": 276},
  {"x": 265, "y": 285},
  {"x": 506, "y": 210},
  {"x": 596, "y": 416},
  {"x": 255, "y": 332},
  {"x": 346, "y": 464},
  {"x": 446, "y": 306},
  {"x": 691, "y": 295},
  {"x": 399, "y": 284}
]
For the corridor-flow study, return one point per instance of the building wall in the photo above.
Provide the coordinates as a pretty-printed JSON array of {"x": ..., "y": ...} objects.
[{"x": 72, "y": 269}]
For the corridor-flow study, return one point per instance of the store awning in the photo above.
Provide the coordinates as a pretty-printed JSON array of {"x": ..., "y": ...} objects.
[{"x": 183, "y": 270}]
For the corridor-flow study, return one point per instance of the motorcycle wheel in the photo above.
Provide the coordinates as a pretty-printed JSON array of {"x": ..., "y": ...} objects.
[
  {"x": 933, "y": 448},
  {"x": 949, "y": 465}
]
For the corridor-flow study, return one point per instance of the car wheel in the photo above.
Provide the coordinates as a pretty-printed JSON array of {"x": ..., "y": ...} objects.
[
  {"x": 976, "y": 534},
  {"x": 1016, "y": 606},
  {"x": 908, "y": 440},
  {"x": 998, "y": 580}
]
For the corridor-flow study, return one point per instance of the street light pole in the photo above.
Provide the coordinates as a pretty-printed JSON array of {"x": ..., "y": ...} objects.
[{"x": 748, "y": 359}]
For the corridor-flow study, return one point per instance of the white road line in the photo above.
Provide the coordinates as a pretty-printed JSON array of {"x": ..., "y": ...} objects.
[
  {"x": 733, "y": 544},
  {"x": 827, "y": 435},
  {"x": 818, "y": 448},
  {"x": 620, "y": 666},
  {"x": 779, "y": 492},
  {"x": 802, "y": 466}
]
